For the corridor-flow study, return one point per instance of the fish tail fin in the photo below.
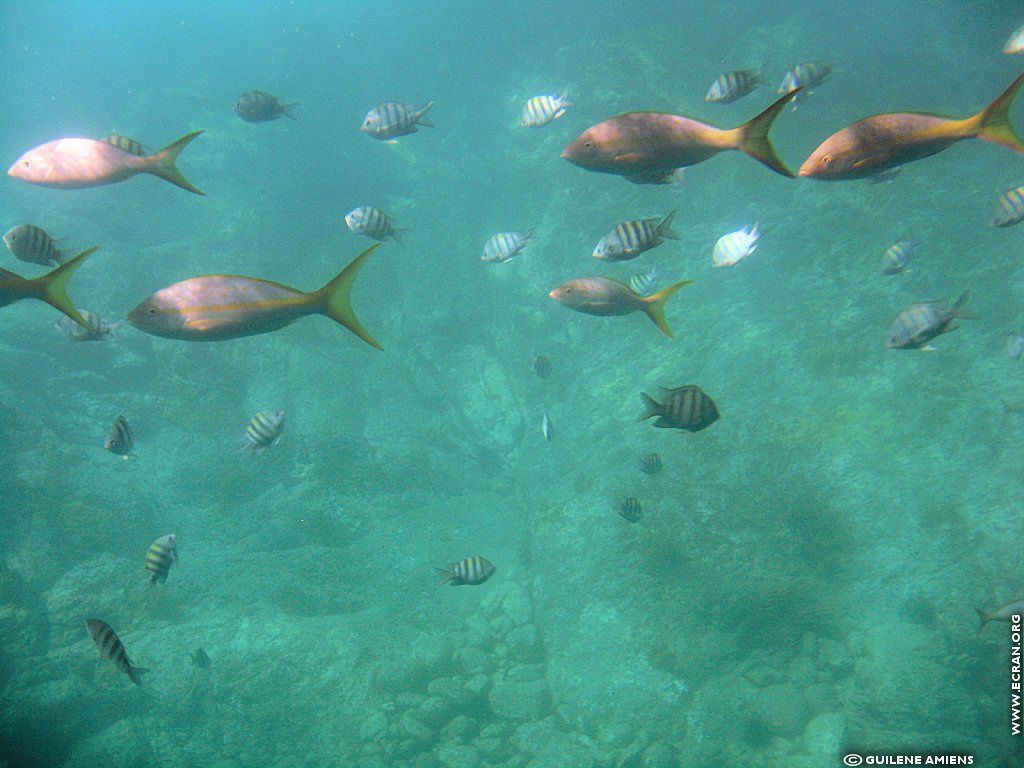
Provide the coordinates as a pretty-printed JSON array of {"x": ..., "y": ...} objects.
[
  {"x": 955, "y": 309},
  {"x": 333, "y": 298},
  {"x": 665, "y": 228},
  {"x": 754, "y": 139},
  {"x": 421, "y": 116},
  {"x": 286, "y": 109},
  {"x": 993, "y": 122},
  {"x": 651, "y": 407},
  {"x": 52, "y": 286},
  {"x": 446, "y": 574},
  {"x": 397, "y": 232},
  {"x": 985, "y": 619},
  {"x": 136, "y": 673},
  {"x": 164, "y": 167},
  {"x": 654, "y": 306}
]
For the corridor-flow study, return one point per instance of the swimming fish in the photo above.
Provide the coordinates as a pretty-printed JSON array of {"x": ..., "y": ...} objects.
[
  {"x": 96, "y": 328},
  {"x": 541, "y": 110},
  {"x": 161, "y": 555},
  {"x": 119, "y": 439},
  {"x": 546, "y": 428},
  {"x": 1016, "y": 42},
  {"x": 644, "y": 282},
  {"x": 731, "y": 249},
  {"x": 506, "y": 245},
  {"x": 807, "y": 77},
  {"x": 651, "y": 464},
  {"x": 541, "y": 366},
  {"x": 472, "y": 570},
  {"x": 81, "y": 163},
  {"x": 1009, "y": 208},
  {"x": 199, "y": 658},
  {"x": 631, "y": 509},
  {"x": 28, "y": 242},
  {"x": 648, "y": 147},
  {"x": 881, "y": 142},
  {"x": 218, "y": 307},
  {"x": 50, "y": 287},
  {"x": 263, "y": 431},
  {"x": 391, "y": 119},
  {"x": 918, "y": 324},
  {"x": 687, "y": 408},
  {"x": 897, "y": 257},
  {"x": 1002, "y": 613},
  {"x": 734, "y": 85},
  {"x": 605, "y": 296},
  {"x": 631, "y": 238},
  {"x": 262, "y": 107},
  {"x": 373, "y": 223},
  {"x": 111, "y": 648}
]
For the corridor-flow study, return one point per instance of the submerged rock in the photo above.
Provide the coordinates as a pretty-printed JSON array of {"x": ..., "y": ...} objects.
[{"x": 520, "y": 701}]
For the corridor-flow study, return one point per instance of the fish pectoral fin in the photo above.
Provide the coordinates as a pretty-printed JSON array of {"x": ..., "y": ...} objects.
[
  {"x": 629, "y": 157},
  {"x": 204, "y": 324}
]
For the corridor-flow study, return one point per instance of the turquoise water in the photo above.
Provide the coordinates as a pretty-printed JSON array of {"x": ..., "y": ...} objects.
[{"x": 802, "y": 584}]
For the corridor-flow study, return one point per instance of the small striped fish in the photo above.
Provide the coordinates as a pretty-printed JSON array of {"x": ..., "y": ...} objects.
[
  {"x": 111, "y": 648},
  {"x": 131, "y": 146},
  {"x": 30, "y": 243},
  {"x": 119, "y": 439},
  {"x": 1016, "y": 42},
  {"x": 96, "y": 328},
  {"x": 687, "y": 408},
  {"x": 541, "y": 110},
  {"x": 731, "y": 249},
  {"x": 806, "y": 76},
  {"x": 645, "y": 282},
  {"x": 161, "y": 555},
  {"x": 505, "y": 245},
  {"x": 391, "y": 119},
  {"x": 631, "y": 509},
  {"x": 372, "y": 222},
  {"x": 263, "y": 431},
  {"x": 472, "y": 570},
  {"x": 651, "y": 464},
  {"x": 631, "y": 238},
  {"x": 1009, "y": 209},
  {"x": 262, "y": 107},
  {"x": 918, "y": 324},
  {"x": 734, "y": 85},
  {"x": 897, "y": 256}
]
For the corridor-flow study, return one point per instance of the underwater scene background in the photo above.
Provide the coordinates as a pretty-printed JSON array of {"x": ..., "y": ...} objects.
[{"x": 803, "y": 579}]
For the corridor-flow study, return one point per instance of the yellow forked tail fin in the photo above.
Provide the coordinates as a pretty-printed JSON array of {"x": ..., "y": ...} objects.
[
  {"x": 334, "y": 298},
  {"x": 164, "y": 167},
  {"x": 654, "y": 306},
  {"x": 993, "y": 122},
  {"x": 754, "y": 140},
  {"x": 51, "y": 286}
]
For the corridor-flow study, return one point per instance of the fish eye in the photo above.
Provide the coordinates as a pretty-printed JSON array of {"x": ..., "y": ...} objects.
[
  {"x": 27, "y": 164},
  {"x": 588, "y": 144},
  {"x": 826, "y": 159},
  {"x": 152, "y": 310},
  {"x": 568, "y": 291}
]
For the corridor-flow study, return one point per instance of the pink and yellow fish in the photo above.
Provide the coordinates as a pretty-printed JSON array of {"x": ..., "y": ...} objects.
[
  {"x": 80, "y": 163},
  {"x": 49, "y": 287},
  {"x": 219, "y": 307},
  {"x": 605, "y": 297}
]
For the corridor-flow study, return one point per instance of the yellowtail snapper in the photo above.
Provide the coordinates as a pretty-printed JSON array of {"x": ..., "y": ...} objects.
[
  {"x": 111, "y": 648},
  {"x": 605, "y": 296},
  {"x": 472, "y": 570}
]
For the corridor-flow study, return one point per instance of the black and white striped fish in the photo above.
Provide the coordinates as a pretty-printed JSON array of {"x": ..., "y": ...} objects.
[
  {"x": 119, "y": 439},
  {"x": 631, "y": 238},
  {"x": 897, "y": 257},
  {"x": 472, "y": 570},
  {"x": 687, "y": 408},
  {"x": 918, "y": 324},
  {"x": 30, "y": 243},
  {"x": 505, "y": 245},
  {"x": 373, "y": 222},
  {"x": 263, "y": 431},
  {"x": 631, "y": 509},
  {"x": 161, "y": 555},
  {"x": 111, "y": 648},
  {"x": 262, "y": 107},
  {"x": 1009, "y": 209},
  {"x": 541, "y": 110},
  {"x": 391, "y": 119},
  {"x": 131, "y": 146},
  {"x": 96, "y": 328},
  {"x": 644, "y": 282},
  {"x": 734, "y": 85},
  {"x": 807, "y": 77}
]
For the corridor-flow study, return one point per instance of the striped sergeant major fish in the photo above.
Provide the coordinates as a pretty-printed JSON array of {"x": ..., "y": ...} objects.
[
  {"x": 643, "y": 283},
  {"x": 734, "y": 247},
  {"x": 472, "y": 570},
  {"x": 734, "y": 85},
  {"x": 111, "y": 648},
  {"x": 96, "y": 329},
  {"x": 541, "y": 110},
  {"x": 218, "y": 307},
  {"x": 374, "y": 223},
  {"x": 131, "y": 146},
  {"x": 27, "y": 242},
  {"x": 1009, "y": 208},
  {"x": 918, "y": 324},
  {"x": 804, "y": 78},
  {"x": 119, "y": 439},
  {"x": 631, "y": 238},
  {"x": 897, "y": 257},
  {"x": 391, "y": 119},
  {"x": 79, "y": 163},
  {"x": 262, "y": 107},
  {"x": 263, "y": 431},
  {"x": 161, "y": 555},
  {"x": 506, "y": 245},
  {"x": 687, "y": 408},
  {"x": 50, "y": 287}
]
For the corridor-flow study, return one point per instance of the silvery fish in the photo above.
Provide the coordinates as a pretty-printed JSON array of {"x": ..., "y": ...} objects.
[
  {"x": 731, "y": 249},
  {"x": 96, "y": 328},
  {"x": 1002, "y": 613},
  {"x": 261, "y": 107},
  {"x": 111, "y": 648},
  {"x": 645, "y": 282},
  {"x": 546, "y": 428},
  {"x": 119, "y": 440},
  {"x": 28, "y": 242},
  {"x": 506, "y": 245},
  {"x": 918, "y": 324},
  {"x": 804, "y": 77},
  {"x": 734, "y": 85},
  {"x": 1016, "y": 42},
  {"x": 541, "y": 110},
  {"x": 161, "y": 555},
  {"x": 263, "y": 431},
  {"x": 897, "y": 256},
  {"x": 391, "y": 119},
  {"x": 631, "y": 238},
  {"x": 374, "y": 223},
  {"x": 472, "y": 570},
  {"x": 1009, "y": 208}
]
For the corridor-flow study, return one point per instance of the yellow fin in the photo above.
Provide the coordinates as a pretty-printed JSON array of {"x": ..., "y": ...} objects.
[
  {"x": 654, "y": 306},
  {"x": 993, "y": 122},
  {"x": 164, "y": 167},
  {"x": 754, "y": 140},
  {"x": 51, "y": 286},
  {"x": 333, "y": 298}
]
